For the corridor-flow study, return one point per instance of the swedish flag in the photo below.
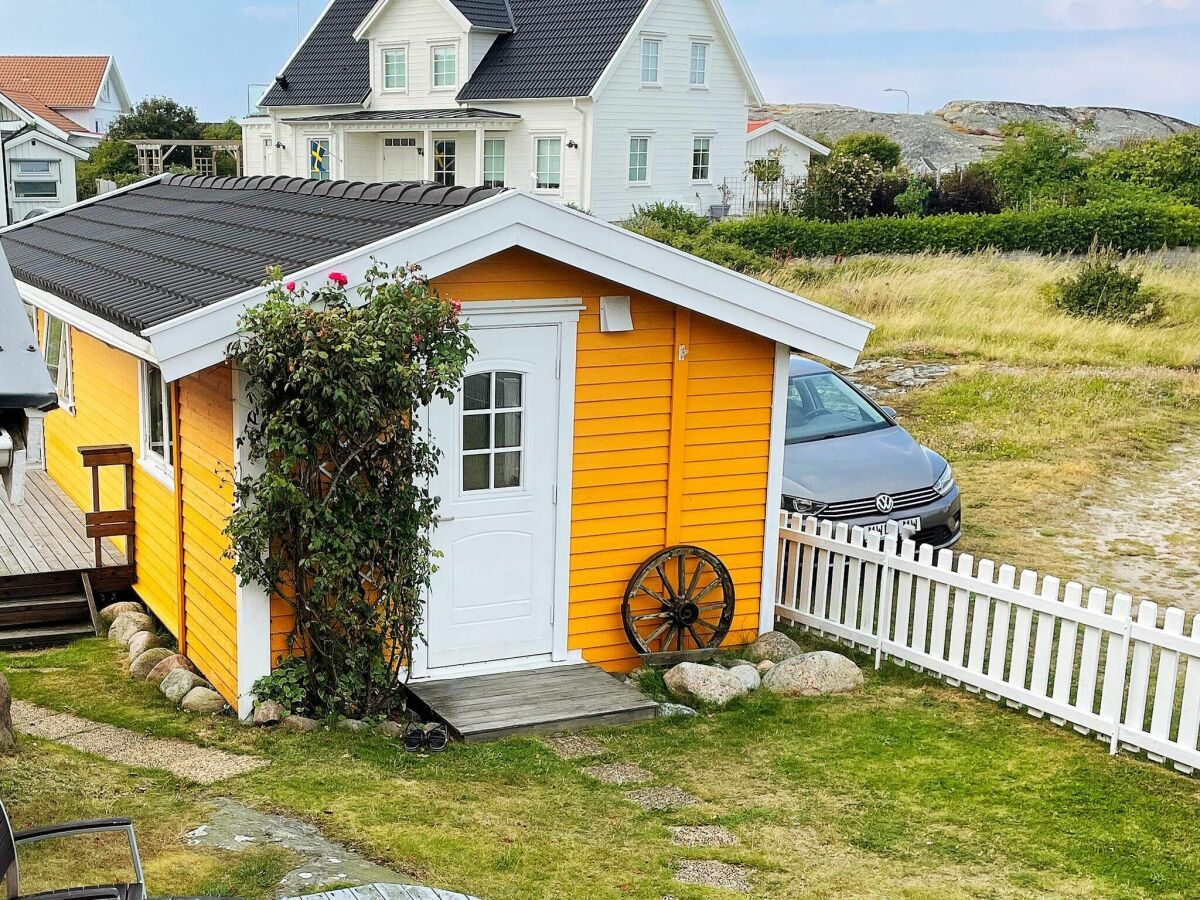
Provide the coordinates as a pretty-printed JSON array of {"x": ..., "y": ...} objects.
[{"x": 318, "y": 163}]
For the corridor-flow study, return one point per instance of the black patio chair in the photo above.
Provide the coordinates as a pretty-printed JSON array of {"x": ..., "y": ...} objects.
[{"x": 10, "y": 870}]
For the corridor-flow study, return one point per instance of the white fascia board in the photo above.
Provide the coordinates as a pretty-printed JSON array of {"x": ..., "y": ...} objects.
[
  {"x": 31, "y": 118},
  {"x": 365, "y": 25},
  {"x": 153, "y": 179},
  {"x": 756, "y": 97},
  {"x": 89, "y": 323},
  {"x": 796, "y": 136},
  {"x": 515, "y": 219},
  {"x": 49, "y": 139}
]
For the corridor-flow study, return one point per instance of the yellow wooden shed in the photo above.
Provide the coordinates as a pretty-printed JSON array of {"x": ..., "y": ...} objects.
[{"x": 642, "y": 394}]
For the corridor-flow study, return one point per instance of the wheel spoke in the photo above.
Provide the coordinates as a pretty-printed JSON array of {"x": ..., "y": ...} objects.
[
  {"x": 649, "y": 616},
  {"x": 705, "y": 607},
  {"x": 666, "y": 583},
  {"x": 696, "y": 638},
  {"x": 708, "y": 625},
  {"x": 650, "y": 593},
  {"x": 679, "y": 568},
  {"x": 706, "y": 590},
  {"x": 657, "y": 633},
  {"x": 691, "y": 588}
]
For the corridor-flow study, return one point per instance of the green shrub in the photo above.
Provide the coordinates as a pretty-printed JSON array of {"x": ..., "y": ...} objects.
[
  {"x": 914, "y": 198},
  {"x": 705, "y": 245},
  {"x": 841, "y": 189},
  {"x": 1124, "y": 226},
  {"x": 871, "y": 144},
  {"x": 671, "y": 216},
  {"x": 1037, "y": 162},
  {"x": 1170, "y": 166},
  {"x": 1102, "y": 289},
  {"x": 287, "y": 686}
]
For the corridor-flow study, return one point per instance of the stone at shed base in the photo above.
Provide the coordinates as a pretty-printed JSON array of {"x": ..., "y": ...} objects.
[
  {"x": 110, "y": 612},
  {"x": 390, "y": 729},
  {"x": 696, "y": 683},
  {"x": 814, "y": 674},
  {"x": 6, "y": 727},
  {"x": 300, "y": 723},
  {"x": 144, "y": 664},
  {"x": 178, "y": 683},
  {"x": 674, "y": 710},
  {"x": 353, "y": 724},
  {"x": 141, "y": 642},
  {"x": 126, "y": 625},
  {"x": 766, "y": 666},
  {"x": 204, "y": 701},
  {"x": 269, "y": 712},
  {"x": 169, "y": 665},
  {"x": 775, "y": 646},
  {"x": 747, "y": 675}
]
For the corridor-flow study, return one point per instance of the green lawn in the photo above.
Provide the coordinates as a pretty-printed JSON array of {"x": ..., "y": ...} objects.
[{"x": 910, "y": 789}]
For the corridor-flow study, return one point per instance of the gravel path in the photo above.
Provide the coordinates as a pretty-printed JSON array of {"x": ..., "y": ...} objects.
[{"x": 202, "y": 765}]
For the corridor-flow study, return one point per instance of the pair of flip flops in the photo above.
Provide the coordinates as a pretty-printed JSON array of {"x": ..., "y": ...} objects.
[{"x": 432, "y": 737}]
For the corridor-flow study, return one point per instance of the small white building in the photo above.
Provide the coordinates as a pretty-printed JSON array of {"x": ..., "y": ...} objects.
[
  {"x": 604, "y": 104},
  {"x": 53, "y": 110},
  {"x": 765, "y": 137}
]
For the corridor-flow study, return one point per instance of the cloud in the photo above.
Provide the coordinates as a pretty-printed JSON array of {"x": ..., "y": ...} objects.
[{"x": 267, "y": 13}]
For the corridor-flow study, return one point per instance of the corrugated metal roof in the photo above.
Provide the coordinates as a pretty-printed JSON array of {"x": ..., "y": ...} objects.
[
  {"x": 558, "y": 48},
  {"x": 464, "y": 113},
  {"x": 143, "y": 257},
  {"x": 553, "y": 48}
]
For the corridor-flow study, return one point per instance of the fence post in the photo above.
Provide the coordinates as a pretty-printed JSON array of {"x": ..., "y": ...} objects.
[
  {"x": 1118, "y": 707},
  {"x": 884, "y": 620}
]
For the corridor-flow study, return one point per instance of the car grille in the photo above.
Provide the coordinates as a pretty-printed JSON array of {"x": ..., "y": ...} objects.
[
  {"x": 937, "y": 535},
  {"x": 855, "y": 509}
]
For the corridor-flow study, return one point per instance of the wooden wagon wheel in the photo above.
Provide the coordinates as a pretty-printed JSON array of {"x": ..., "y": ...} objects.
[{"x": 680, "y": 599}]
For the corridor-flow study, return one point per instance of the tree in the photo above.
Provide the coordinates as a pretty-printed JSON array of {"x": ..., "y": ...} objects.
[
  {"x": 112, "y": 159},
  {"x": 157, "y": 117},
  {"x": 337, "y": 518},
  {"x": 1037, "y": 162},
  {"x": 871, "y": 144},
  {"x": 1170, "y": 167},
  {"x": 229, "y": 130},
  {"x": 841, "y": 189}
]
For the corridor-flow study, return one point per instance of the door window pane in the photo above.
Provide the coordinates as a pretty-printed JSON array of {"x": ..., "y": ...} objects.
[
  {"x": 493, "y": 431},
  {"x": 493, "y": 163},
  {"x": 318, "y": 159},
  {"x": 445, "y": 159}
]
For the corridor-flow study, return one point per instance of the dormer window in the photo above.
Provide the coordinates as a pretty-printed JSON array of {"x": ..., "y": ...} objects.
[
  {"x": 394, "y": 64},
  {"x": 445, "y": 66}
]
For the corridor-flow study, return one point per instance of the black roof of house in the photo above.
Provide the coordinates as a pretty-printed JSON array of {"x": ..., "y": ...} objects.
[
  {"x": 408, "y": 115},
  {"x": 548, "y": 48},
  {"x": 24, "y": 381},
  {"x": 142, "y": 257}
]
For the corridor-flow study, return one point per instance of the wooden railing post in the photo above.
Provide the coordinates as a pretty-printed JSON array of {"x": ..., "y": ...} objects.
[{"x": 101, "y": 523}]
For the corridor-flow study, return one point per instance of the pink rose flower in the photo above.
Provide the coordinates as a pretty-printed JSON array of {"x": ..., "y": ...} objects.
[
  {"x": 456, "y": 306},
  {"x": 339, "y": 279},
  {"x": 290, "y": 287}
]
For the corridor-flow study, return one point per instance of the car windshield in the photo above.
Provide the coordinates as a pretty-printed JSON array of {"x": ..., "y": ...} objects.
[{"x": 823, "y": 406}]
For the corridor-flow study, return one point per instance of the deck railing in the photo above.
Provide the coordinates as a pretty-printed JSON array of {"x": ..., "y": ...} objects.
[
  {"x": 1131, "y": 680},
  {"x": 101, "y": 523}
]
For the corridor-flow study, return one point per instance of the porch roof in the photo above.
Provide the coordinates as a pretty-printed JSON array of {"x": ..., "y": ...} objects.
[{"x": 456, "y": 114}]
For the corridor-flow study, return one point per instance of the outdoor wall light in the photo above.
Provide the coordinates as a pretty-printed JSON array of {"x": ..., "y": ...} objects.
[
  {"x": 571, "y": 145},
  {"x": 279, "y": 145}
]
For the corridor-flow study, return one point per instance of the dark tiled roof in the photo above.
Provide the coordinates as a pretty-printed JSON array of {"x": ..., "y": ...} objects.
[
  {"x": 558, "y": 48},
  {"x": 408, "y": 115},
  {"x": 146, "y": 256},
  {"x": 492, "y": 14},
  {"x": 330, "y": 68}
]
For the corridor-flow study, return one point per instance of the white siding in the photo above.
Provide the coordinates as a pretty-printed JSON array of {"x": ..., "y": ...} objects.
[
  {"x": 420, "y": 25},
  {"x": 672, "y": 115},
  {"x": 40, "y": 150},
  {"x": 795, "y": 156}
]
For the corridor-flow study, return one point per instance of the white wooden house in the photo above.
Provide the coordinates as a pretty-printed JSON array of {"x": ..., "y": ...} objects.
[
  {"x": 604, "y": 104},
  {"x": 767, "y": 137}
]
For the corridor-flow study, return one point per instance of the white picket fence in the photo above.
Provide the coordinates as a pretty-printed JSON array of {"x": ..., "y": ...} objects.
[{"x": 1088, "y": 663}]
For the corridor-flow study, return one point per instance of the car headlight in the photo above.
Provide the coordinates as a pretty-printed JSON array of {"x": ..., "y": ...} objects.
[
  {"x": 803, "y": 506},
  {"x": 945, "y": 483}
]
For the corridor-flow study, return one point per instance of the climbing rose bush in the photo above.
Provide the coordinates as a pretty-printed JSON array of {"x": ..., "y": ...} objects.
[{"x": 334, "y": 513}]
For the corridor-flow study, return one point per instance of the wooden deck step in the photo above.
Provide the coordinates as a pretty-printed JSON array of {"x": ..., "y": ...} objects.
[
  {"x": 537, "y": 701},
  {"x": 36, "y": 636},
  {"x": 57, "y": 610}
]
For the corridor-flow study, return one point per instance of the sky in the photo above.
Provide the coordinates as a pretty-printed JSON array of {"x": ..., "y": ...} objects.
[{"x": 1143, "y": 54}]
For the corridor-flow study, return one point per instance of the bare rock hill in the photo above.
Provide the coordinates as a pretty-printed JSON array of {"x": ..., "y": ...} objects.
[{"x": 965, "y": 131}]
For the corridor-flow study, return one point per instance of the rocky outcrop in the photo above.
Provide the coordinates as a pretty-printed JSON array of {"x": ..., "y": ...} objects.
[
  {"x": 966, "y": 131},
  {"x": 814, "y": 674},
  {"x": 710, "y": 685}
]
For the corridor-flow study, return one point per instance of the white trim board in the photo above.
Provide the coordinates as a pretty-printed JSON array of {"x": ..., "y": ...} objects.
[
  {"x": 38, "y": 135},
  {"x": 90, "y": 324},
  {"x": 770, "y": 567},
  {"x": 518, "y": 219},
  {"x": 780, "y": 128}
]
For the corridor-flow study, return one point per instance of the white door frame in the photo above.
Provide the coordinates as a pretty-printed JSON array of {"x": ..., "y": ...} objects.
[{"x": 563, "y": 314}]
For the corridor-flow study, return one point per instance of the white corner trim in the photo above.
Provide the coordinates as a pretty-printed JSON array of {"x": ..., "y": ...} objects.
[
  {"x": 89, "y": 323},
  {"x": 770, "y": 568},
  {"x": 780, "y": 128}
]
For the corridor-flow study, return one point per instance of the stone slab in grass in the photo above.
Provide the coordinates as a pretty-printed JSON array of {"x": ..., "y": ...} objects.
[
  {"x": 574, "y": 746},
  {"x": 702, "y": 836},
  {"x": 619, "y": 773},
  {"x": 662, "y": 798},
  {"x": 710, "y": 873}
]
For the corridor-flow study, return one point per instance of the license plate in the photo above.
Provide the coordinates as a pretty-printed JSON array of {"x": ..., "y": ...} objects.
[{"x": 903, "y": 524}]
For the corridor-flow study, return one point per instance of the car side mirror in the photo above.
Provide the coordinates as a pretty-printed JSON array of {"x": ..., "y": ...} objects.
[{"x": 890, "y": 411}]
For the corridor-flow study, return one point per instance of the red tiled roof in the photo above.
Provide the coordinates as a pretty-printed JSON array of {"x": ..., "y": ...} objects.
[
  {"x": 60, "y": 82},
  {"x": 32, "y": 104},
  {"x": 755, "y": 124}
]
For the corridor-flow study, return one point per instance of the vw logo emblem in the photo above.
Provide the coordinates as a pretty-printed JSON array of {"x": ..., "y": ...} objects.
[{"x": 884, "y": 503}]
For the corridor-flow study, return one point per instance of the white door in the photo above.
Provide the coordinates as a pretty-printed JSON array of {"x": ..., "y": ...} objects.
[
  {"x": 400, "y": 159},
  {"x": 492, "y": 597}
]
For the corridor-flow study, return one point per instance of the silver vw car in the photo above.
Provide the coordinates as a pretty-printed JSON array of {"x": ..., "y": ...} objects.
[{"x": 847, "y": 460}]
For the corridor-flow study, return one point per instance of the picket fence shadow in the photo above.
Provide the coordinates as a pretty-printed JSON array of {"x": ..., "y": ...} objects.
[{"x": 1130, "y": 679}]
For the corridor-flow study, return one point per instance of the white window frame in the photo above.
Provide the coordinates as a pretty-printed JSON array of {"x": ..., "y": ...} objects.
[
  {"x": 64, "y": 375},
  {"x": 308, "y": 141},
  {"x": 707, "y": 45},
  {"x": 503, "y": 158},
  {"x": 696, "y": 138},
  {"x": 659, "y": 41},
  {"x": 535, "y": 140},
  {"x": 50, "y": 176},
  {"x": 105, "y": 92},
  {"x": 159, "y": 465},
  {"x": 629, "y": 180},
  {"x": 384, "y": 50},
  {"x": 453, "y": 170},
  {"x": 433, "y": 52}
]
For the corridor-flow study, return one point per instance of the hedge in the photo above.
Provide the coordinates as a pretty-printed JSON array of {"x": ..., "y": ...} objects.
[{"x": 1123, "y": 225}]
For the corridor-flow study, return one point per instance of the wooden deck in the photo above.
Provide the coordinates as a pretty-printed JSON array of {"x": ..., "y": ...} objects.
[
  {"x": 563, "y": 698},
  {"x": 46, "y": 533}
]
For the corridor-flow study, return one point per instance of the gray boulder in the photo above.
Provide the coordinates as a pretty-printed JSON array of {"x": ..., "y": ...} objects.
[
  {"x": 169, "y": 665},
  {"x": 747, "y": 675},
  {"x": 390, "y": 729},
  {"x": 203, "y": 700},
  {"x": 269, "y": 712},
  {"x": 300, "y": 723},
  {"x": 775, "y": 646},
  {"x": 766, "y": 666},
  {"x": 814, "y": 674},
  {"x": 696, "y": 683},
  {"x": 674, "y": 710},
  {"x": 141, "y": 642},
  {"x": 178, "y": 682},
  {"x": 142, "y": 666},
  {"x": 127, "y": 624},
  {"x": 7, "y": 742},
  {"x": 110, "y": 612},
  {"x": 352, "y": 724}
]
